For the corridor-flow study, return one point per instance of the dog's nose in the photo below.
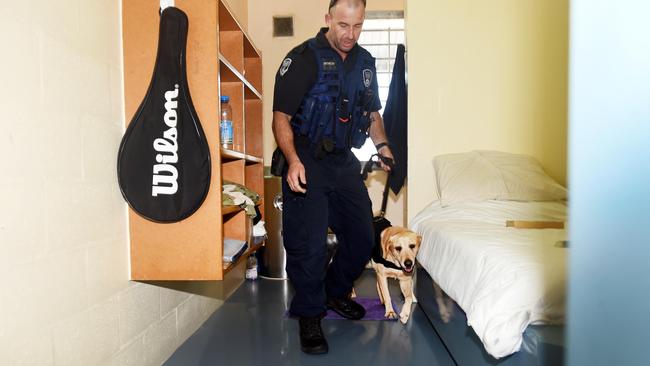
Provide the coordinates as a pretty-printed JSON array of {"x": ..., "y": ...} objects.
[{"x": 408, "y": 263}]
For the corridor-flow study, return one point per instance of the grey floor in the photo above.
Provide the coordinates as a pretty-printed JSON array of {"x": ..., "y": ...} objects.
[
  {"x": 542, "y": 344},
  {"x": 250, "y": 329}
]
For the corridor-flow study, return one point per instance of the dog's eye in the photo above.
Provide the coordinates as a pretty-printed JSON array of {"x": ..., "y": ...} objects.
[
  {"x": 399, "y": 249},
  {"x": 412, "y": 246}
]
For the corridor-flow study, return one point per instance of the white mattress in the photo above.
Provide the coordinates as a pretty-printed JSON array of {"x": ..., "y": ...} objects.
[{"x": 503, "y": 278}]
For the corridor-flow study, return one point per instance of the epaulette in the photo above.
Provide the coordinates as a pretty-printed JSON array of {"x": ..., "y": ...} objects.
[{"x": 300, "y": 49}]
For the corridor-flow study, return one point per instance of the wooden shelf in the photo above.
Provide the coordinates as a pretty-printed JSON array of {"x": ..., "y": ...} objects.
[
  {"x": 227, "y": 266},
  {"x": 190, "y": 249},
  {"x": 254, "y": 111},
  {"x": 229, "y": 73},
  {"x": 234, "y": 155},
  {"x": 226, "y": 20},
  {"x": 227, "y": 210},
  {"x": 221, "y": 61}
]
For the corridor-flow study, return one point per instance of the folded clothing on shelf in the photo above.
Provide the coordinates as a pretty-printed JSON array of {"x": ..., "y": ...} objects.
[
  {"x": 234, "y": 194},
  {"x": 233, "y": 249}
]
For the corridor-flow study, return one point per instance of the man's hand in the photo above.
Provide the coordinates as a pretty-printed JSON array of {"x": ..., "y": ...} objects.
[
  {"x": 385, "y": 152},
  {"x": 378, "y": 136},
  {"x": 284, "y": 137},
  {"x": 296, "y": 177}
]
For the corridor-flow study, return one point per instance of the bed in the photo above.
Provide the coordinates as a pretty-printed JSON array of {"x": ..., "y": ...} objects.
[{"x": 503, "y": 278}]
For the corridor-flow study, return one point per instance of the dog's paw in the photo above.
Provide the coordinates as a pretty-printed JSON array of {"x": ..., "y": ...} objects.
[
  {"x": 390, "y": 314},
  {"x": 404, "y": 317}
]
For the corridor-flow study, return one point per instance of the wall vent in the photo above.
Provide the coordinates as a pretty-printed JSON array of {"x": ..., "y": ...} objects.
[{"x": 282, "y": 26}]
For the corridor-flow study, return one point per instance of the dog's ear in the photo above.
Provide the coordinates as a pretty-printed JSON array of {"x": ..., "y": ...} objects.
[
  {"x": 419, "y": 240},
  {"x": 386, "y": 239}
]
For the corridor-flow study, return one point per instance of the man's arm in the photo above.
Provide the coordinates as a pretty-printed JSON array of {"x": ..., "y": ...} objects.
[
  {"x": 284, "y": 138},
  {"x": 378, "y": 135}
]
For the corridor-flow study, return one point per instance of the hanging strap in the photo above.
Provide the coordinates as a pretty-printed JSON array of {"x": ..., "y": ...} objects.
[
  {"x": 374, "y": 160},
  {"x": 377, "y": 255},
  {"x": 384, "y": 199}
]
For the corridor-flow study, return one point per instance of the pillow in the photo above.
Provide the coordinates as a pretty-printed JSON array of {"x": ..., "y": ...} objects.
[
  {"x": 466, "y": 177},
  {"x": 524, "y": 177},
  {"x": 492, "y": 175}
]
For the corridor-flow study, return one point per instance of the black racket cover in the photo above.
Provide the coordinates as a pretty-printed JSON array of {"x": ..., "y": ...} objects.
[{"x": 163, "y": 164}]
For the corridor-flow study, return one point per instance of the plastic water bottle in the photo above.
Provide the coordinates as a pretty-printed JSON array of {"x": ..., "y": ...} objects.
[
  {"x": 251, "y": 268},
  {"x": 225, "y": 126}
]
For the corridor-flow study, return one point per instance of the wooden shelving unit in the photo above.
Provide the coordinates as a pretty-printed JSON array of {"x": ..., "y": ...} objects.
[{"x": 221, "y": 60}]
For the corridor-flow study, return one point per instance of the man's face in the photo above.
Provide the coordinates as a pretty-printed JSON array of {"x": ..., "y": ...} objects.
[{"x": 345, "y": 22}]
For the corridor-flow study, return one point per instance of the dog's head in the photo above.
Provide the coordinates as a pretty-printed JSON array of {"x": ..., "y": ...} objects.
[{"x": 400, "y": 245}]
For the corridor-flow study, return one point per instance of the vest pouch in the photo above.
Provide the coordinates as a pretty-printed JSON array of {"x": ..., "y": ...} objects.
[
  {"x": 324, "y": 124},
  {"x": 311, "y": 124},
  {"x": 305, "y": 116},
  {"x": 359, "y": 132}
]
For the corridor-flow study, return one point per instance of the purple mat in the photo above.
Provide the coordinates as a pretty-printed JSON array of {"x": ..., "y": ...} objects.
[{"x": 375, "y": 310}]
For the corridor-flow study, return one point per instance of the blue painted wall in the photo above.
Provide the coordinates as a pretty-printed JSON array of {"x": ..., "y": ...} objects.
[{"x": 609, "y": 180}]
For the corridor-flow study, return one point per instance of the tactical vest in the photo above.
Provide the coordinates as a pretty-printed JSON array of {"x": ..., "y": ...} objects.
[{"x": 335, "y": 113}]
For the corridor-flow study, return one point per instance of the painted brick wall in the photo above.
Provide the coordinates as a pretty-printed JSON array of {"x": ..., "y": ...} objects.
[{"x": 65, "y": 298}]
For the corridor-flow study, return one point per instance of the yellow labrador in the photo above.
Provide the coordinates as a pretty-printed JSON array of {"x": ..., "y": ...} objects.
[{"x": 399, "y": 246}]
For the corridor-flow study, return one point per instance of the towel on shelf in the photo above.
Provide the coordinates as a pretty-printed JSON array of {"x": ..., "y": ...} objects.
[
  {"x": 233, "y": 249},
  {"x": 259, "y": 229}
]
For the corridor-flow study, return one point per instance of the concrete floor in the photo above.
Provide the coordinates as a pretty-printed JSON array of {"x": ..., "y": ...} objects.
[{"x": 251, "y": 329}]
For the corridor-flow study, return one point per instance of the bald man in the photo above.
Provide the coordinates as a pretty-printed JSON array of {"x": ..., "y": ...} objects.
[{"x": 325, "y": 102}]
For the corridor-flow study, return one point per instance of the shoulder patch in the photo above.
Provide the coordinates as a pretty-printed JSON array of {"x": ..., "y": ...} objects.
[
  {"x": 367, "y": 77},
  {"x": 285, "y": 66}
]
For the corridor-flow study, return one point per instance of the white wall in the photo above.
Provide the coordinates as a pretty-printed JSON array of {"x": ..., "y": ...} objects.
[
  {"x": 65, "y": 298},
  {"x": 485, "y": 75},
  {"x": 307, "y": 21}
]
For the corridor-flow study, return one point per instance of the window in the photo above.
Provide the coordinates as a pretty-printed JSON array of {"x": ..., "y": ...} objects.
[{"x": 382, "y": 32}]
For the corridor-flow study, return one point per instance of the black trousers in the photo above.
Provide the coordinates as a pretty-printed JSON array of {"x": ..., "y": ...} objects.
[{"x": 336, "y": 198}]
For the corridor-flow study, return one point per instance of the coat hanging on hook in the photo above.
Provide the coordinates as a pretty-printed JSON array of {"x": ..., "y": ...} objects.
[
  {"x": 163, "y": 163},
  {"x": 396, "y": 120}
]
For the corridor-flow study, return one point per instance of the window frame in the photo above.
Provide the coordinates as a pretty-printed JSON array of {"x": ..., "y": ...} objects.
[{"x": 368, "y": 149}]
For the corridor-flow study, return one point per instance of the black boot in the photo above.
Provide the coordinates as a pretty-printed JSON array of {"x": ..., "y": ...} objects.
[
  {"x": 346, "y": 308},
  {"x": 312, "y": 340}
]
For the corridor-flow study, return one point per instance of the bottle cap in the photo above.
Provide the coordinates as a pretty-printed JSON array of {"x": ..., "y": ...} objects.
[{"x": 225, "y": 99}]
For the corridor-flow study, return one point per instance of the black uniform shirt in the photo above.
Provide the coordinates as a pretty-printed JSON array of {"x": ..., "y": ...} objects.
[{"x": 299, "y": 72}]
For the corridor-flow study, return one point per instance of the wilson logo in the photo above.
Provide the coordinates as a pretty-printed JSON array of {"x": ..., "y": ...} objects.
[{"x": 165, "y": 174}]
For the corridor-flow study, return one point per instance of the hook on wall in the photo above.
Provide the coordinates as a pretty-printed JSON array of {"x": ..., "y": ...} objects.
[{"x": 165, "y": 4}]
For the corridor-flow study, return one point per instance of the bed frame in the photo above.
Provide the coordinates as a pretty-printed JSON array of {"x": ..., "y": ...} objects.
[{"x": 542, "y": 345}]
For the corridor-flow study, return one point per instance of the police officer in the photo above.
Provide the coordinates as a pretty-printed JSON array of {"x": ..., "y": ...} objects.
[{"x": 325, "y": 102}]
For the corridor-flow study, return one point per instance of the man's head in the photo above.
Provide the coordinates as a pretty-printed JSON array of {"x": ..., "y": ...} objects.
[{"x": 345, "y": 19}]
